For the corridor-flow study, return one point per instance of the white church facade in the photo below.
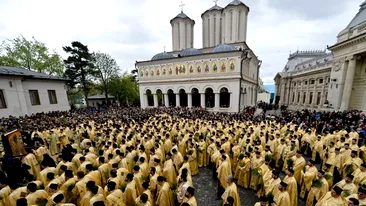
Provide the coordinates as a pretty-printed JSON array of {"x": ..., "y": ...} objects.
[
  {"x": 221, "y": 77},
  {"x": 328, "y": 81}
]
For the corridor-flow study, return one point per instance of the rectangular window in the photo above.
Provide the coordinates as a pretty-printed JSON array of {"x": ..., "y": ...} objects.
[
  {"x": 293, "y": 97},
  {"x": 294, "y": 84},
  {"x": 2, "y": 100},
  {"x": 52, "y": 96},
  {"x": 312, "y": 81},
  {"x": 326, "y": 95},
  {"x": 311, "y": 98},
  {"x": 298, "y": 97},
  {"x": 306, "y": 82},
  {"x": 303, "y": 100},
  {"x": 320, "y": 81},
  {"x": 318, "y": 98},
  {"x": 34, "y": 97}
]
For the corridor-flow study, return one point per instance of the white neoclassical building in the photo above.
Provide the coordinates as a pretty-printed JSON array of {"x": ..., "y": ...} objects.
[
  {"x": 221, "y": 76},
  {"x": 328, "y": 81}
]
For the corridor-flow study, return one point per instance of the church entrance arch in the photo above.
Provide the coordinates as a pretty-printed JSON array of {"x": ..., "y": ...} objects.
[
  {"x": 210, "y": 98},
  {"x": 196, "y": 98},
  {"x": 183, "y": 98},
  {"x": 159, "y": 93},
  {"x": 150, "y": 98},
  {"x": 171, "y": 97},
  {"x": 224, "y": 98}
]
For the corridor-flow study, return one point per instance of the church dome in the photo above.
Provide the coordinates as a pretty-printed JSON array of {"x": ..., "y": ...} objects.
[
  {"x": 162, "y": 55},
  {"x": 223, "y": 48},
  {"x": 190, "y": 52},
  {"x": 237, "y": 3},
  {"x": 182, "y": 15}
]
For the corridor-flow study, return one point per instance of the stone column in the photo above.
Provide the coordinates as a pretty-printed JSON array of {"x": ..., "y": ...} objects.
[
  {"x": 189, "y": 100},
  {"x": 315, "y": 96},
  {"x": 348, "y": 83},
  {"x": 166, "y": 100},
  {"x": 144, "y": 101},
  {"x": 217, "y": 101},
  {"x": 203, "y": 100},
  {"x": 156, "y": 104},
  {"x": 282, "y": 96},
  {"x": 177, "y": 100}
]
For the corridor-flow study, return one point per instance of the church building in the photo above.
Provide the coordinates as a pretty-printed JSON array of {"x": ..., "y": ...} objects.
[
  {"x": 222, "y": 76},
  {"x": 323, "y": 80}
]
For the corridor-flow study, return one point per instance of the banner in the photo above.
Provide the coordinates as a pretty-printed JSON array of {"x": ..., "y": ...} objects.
[{"x": 13, "y": 143}]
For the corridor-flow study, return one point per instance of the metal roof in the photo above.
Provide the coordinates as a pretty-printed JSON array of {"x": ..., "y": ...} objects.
[
  {"x": 223, "y": 48},
  {"x": 15, "y": 71},
  {"x": 162, "y": 55},
  {"x": 360, "y": 16},
  {"x": 182, "y": 15},
  {"x": 190, "y": 52}
]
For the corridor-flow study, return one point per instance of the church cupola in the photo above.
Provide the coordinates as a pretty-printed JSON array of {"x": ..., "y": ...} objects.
[
  {"x": 182, "y": 31},
  {"x": 211, "y": 26},
  {"x": 235, "y": 23}
]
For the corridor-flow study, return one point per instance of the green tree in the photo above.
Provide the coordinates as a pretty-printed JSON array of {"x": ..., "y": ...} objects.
[
  {"x": 106, "y": 68},
  {"x": 79, "y": 67},
  {"x": 30, "y": 54},
  {"x": 125, "y": 89}
]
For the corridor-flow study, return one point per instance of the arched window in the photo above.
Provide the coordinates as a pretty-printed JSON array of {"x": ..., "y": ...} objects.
[
  {"x": 171, "y": 97},
  {"x": 196, "y": 98},
  {"x": 150, "y": 98},
  {"x": 224, "y": 98},
  {"x": 210, "y": 98},
  {"x": 159, "y": 93},
  {"x": 183, "y": 98}
]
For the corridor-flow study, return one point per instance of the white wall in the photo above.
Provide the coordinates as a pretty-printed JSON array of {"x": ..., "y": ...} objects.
[
  {"x": 264, "y": 97},
  {"x": 18, "y": 101}
]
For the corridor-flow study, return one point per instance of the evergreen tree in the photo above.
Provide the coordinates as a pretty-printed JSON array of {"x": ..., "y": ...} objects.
[{"x": 79, "y": 67}]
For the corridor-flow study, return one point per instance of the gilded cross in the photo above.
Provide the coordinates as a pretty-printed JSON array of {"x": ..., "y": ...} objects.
[{"x": 181, "y": 5}]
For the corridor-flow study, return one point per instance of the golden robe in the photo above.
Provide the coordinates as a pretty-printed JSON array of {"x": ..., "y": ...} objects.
[
  {"x": 299, "y": 164},
  {"x": 165, "y": 196},
  {"x": 191, "y": 201},
  {"x": 130, "y": 194},
  {"x": 243, "y": 173},
  {"x": 348, "y": 188},
  {"x": 169, "y": 173},
  {"x": 31, "y": 161},
  {"x": 282, "y": 199},
  {"x": 361, "y": 201},
  {"x": 307, "y": 179},
  {"x": 223, "y": 172},
  {"x": 317, "y": 192},
  {"x": 291, "y": 189},
  {"x": 39, "y": 194},
  {"x": 231, "y": 191},
  {"x": 4, "y": 194},
  {"x": 255, "y": 166},
  {"x": 273, "y": 187},
  {"x": 328, "y": 200}
]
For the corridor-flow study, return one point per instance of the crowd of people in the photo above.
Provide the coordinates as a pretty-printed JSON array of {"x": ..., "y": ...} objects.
[{"x": 128, "y": 157}]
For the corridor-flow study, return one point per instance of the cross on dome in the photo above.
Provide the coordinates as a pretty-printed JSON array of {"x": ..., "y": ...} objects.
[
  {"x": 181, "y": 5},
  {"x": 215, "y": 2}
]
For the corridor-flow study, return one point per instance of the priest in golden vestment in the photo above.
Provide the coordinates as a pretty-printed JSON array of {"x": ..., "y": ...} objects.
[
  {"x": 360, "y": 175},
  {"x": 115, "y": 197},
  {"x": 190, "y": 198},
  {"x": 177, "y": 159},
  {"x": 165, "y": 195},
  {"x": 328, "y": 175},
  {"x": 332, "y": 198},
  {"x": 243, "y": 171},
  {"x": 130, "y": 193},
  {"x": 318, "y": 189},
  {"x": 283, "y": 198},
  {"x": 291, "y": 186},
  {"x": 273, "y": 186},
  {"x": 231, "y": 191},
  {"x": 256, "y": 163},
  {"x": 31, "y": 161},
  {"x": 307, "y": 178},
  {"x": 35, "y": 195},
  {"x": 223, "y": 171},
  {"x": 347, "y": 186},
  {"x": 298, "y": 166},
  {"x": 202, "y": 153},
  {"x": 169, "y": 171},
  {"x": 360, "y": 196}
]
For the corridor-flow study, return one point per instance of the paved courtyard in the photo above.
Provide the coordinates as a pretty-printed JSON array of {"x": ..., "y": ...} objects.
[{"x": 206, "y": 188}]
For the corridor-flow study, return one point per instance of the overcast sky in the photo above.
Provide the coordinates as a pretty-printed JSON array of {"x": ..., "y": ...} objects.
[{"x": 131, "y": 30}]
